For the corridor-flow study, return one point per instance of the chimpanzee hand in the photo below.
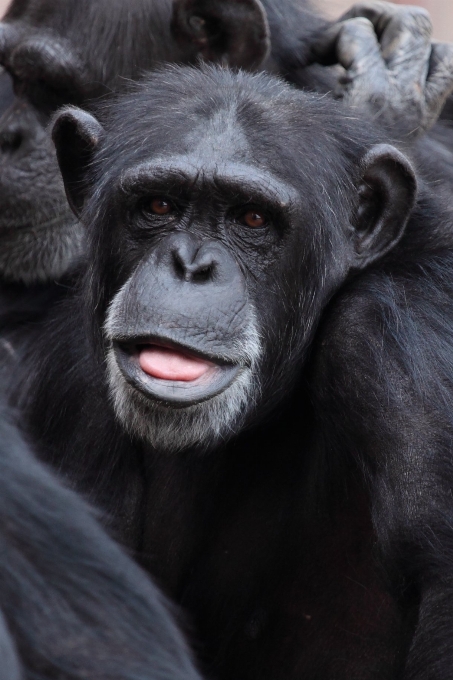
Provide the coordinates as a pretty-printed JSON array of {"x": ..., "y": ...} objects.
[{"x": 391, "y": 66}]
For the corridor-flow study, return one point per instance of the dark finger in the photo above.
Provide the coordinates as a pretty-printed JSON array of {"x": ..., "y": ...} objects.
[
  {"x": 439, "y": 84},
  {"x": 349, "y": 43}
]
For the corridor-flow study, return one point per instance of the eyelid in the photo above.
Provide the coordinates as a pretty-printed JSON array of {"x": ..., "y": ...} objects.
[
  {"x": 259, "y": 210},
  {"x": 240, "y": 211}
]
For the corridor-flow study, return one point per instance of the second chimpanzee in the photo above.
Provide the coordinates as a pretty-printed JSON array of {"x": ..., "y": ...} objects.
[{"x": 263, "y": 394}]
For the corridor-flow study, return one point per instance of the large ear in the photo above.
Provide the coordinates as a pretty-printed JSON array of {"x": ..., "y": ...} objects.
[
  {"x": 231, "y": 32},
  {"x": 387, "y": 194},
  {"x": 76, "y": 135}
]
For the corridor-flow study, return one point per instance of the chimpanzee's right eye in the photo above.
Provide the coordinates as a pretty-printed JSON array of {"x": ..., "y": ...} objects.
[{"x": 156, "y": 205}]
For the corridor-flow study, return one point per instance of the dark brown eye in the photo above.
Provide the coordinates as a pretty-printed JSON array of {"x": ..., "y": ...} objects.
[
  {"x": 159, "y": 206},
  {"x": 254, "y": 219}
]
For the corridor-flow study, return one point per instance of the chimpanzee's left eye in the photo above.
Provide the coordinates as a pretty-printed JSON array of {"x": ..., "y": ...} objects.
[{"x": 254, "y": 219}]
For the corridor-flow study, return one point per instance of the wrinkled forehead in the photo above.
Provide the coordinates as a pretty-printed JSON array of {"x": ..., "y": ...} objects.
[
  {"x": 164, "y": 124},
  {"x": 215, "y": 154},
  {"x": 192, "y": 175},
  {"x": 205, "y": 139},
  {"x": 60, "y": 28},
  {"x": 43, "y": 33},
  {"x": 23, "y": 15}
]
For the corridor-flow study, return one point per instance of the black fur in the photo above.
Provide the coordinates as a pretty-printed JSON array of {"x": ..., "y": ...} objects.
[
  {"x": 75, "y": 605},
  {"x": 88, "y": 64},
  {"x": 315, "y": 540}
]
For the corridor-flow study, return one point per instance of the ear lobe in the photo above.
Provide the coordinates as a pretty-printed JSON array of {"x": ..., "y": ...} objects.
[
  {"x": 76, "y": 135},
  {"x": 387, "y": 195},
  {"x": 231, "y": 32}
]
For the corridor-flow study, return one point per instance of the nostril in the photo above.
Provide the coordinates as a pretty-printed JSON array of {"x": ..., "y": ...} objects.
[
  {"x": 203, "y": 274},
  {"x": 10, "y": 141},
  {"x": 193, "y": 266}
]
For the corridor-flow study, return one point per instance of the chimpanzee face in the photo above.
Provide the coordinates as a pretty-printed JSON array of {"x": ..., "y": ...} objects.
[{"x": 218, "y": 235}]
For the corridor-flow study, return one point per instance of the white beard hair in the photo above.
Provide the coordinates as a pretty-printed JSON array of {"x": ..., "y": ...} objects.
[{"x": 203, "y": 425}]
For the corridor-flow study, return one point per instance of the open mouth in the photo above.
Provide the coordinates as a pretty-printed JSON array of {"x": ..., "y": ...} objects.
[{"x": 175, "y": 374}]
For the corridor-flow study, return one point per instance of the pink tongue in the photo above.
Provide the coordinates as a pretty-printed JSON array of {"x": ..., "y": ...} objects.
[{"x": 167, "y": 364}]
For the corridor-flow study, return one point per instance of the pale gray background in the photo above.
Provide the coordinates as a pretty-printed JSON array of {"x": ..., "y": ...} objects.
[{"x": 441, "y": 13}]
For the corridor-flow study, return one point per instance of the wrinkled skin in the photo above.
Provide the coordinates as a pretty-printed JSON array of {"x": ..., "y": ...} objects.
[
  {"x": 406, "y": 77},
  {"x": 66, "y": 53}
]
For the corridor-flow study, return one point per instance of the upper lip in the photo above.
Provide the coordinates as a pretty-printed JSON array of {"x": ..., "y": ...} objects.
[{"x": 131, "y": 345}]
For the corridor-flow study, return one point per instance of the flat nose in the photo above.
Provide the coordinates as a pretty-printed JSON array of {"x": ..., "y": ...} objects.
[
  {"x": 193, "y": 262},
  {"x": 188, "y": 261}
]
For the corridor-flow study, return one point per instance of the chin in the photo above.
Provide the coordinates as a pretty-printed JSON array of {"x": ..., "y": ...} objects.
[
  {"x": 170, "y": 426},
  {"x": 173, "y": 415}
]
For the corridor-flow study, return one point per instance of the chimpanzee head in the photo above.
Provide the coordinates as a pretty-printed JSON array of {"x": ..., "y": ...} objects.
[
  {"x": 74, "y": 51},
  {"x": 224, "y": 210}
]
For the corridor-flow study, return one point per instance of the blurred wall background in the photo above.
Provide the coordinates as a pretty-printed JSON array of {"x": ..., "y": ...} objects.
[{"x": 441, "y": 12}]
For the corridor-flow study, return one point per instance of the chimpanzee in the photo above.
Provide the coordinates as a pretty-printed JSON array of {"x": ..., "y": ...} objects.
[
  {"x": 255, "y": 377},
  {"x": 74, "y": 604},
  {"x": 41, "y": 48},
  {"x": 76, "y": 51}
]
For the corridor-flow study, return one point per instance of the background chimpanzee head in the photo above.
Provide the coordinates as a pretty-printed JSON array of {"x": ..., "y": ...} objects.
[
  {"x": 74, "y": 51},
  {"x": 57, "y": 53},
  {"x": 224, "y": 211}
]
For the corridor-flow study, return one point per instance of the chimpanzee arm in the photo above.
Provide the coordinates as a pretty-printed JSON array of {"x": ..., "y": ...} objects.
[
  {"x": 75, "y": 605},
  {"x": 384, "y": 390},
  {"x": 392, "y": 69}
]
